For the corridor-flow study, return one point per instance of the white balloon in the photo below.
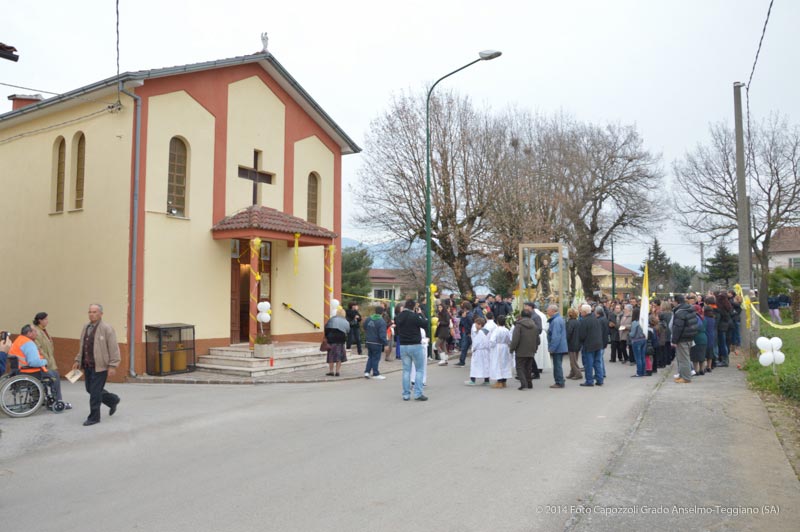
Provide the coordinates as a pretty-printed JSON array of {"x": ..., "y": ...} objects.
[
  {"x": 766, "y": 359},
  {"x": 779, "y": 357},
  {"x": 776, "y": 342},
  {"x": 263, "y": 317},
  {"x": 764, "y": 344},
  {"x": 334, "y": 303},
  {"x": 263, "y": 306},
  {"x": 267, "y": 318}
]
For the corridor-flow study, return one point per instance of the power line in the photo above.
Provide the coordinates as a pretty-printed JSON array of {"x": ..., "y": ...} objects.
[
  {"x": 79, "y": 98},
  {"x": 27, "y": 88},
  {"x": 750, "y": 155},
  {"x": 109, "y": 108}
]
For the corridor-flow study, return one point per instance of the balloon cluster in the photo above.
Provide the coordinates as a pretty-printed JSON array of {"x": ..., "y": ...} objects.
[
  {"x": 335, "y": 306},
  {"x": 770, "y": 351},
  {"x": 264, "y": 311}
]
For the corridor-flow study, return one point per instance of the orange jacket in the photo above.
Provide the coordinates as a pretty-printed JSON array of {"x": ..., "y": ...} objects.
[{"x": 16, "y": 351}]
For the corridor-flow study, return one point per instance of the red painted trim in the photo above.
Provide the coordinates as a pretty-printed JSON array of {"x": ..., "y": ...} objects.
[
  {"x": 337, "y": 224},
  {"x": 210, "y": 89}
]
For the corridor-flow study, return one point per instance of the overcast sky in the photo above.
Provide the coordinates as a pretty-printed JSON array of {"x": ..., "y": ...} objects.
[{"x": 666, "y": 66}]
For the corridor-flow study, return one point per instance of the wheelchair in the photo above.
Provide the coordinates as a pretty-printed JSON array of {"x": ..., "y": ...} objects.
[{"x": 22, "y": 394}]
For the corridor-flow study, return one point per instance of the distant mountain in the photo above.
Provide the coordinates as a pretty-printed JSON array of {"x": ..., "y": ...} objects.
[{"x": 378, "y": 252}]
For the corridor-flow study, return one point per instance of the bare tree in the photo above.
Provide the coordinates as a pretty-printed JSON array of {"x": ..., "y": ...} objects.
[
  {"x": 706, "y": 188},
  {"x": 608, "y": 180},
  {"x": 524, "y": 204},
  {"x": 464, "y": 165}
]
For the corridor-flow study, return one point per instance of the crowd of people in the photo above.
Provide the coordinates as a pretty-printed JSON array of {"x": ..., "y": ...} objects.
[{"x": 698, "y": 331}]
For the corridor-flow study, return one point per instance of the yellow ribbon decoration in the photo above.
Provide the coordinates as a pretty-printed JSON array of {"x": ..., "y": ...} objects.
[
  {"x": 750, "y": 306},
  {"x": 296, "y": 251},
  {"x": 746, "y": 303}
]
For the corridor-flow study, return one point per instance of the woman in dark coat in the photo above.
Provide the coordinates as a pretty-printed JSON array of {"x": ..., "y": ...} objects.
[
  {"x": 336, "y": 332},
  {"x": 697, "y": 353},
  {"x": 442, "y": 333},
  {"x": 724, "y": 322},
  {"x": 573, "y": 345},
  {"x": 711, "y": 333}
]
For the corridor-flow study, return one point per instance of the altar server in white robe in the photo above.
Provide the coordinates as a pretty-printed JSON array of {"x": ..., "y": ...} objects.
[
  {"x": 481, "y": 353},
  {"x": 501, "y": 361},
  {"x": 542, "y": 356}
]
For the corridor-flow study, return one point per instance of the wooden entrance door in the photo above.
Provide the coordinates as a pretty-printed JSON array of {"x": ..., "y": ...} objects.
[
  {"x": 235, "y": 297},
  {"x": 240, "y": 289}
]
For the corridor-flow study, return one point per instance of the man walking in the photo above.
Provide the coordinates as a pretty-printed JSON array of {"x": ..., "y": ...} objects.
[
  {"x": 684, "y": 329},
  {"x": 524, "y": 343},
  {"x": 409, "y": 324},
  {"x": 556, "y": 343},
  {"x": 375, "y": 336},
  {"x": 591, "y": 337},
  {"x": 99, "y": 357}
]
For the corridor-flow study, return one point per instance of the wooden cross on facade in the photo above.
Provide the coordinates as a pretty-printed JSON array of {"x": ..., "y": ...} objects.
[{"x": 255, "y": 174}]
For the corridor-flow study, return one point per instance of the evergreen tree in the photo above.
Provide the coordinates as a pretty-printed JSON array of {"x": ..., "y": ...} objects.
[
  {"x": 723, "y": 267},
  {"x": 356, "y": 263},
  {"x": 682, "y": 277},
  {"x": 659, "y": 266},
  {"x": 500, "y": 281}
]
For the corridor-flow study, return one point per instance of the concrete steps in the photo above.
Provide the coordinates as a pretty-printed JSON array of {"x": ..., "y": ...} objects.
[{"x": 287, "y": 357}]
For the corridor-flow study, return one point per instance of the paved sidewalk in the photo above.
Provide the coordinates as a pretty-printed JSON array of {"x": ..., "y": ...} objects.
[
  {"x": 701, "y": 456},
  {"x": 352, "y": 369}
]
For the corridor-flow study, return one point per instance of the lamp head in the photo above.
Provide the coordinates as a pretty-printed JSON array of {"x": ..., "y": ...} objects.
[{"x": 488, "y": 55}]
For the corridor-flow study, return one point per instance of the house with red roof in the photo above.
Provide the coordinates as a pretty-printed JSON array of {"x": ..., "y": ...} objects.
[
  {"x": 624, "y": 278},
  {"x": 185, "y": 194},
  {"x": 784, "y": 249}
]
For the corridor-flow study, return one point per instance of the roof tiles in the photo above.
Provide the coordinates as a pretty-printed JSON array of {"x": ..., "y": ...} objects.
[{"x": 268, "y": 219}]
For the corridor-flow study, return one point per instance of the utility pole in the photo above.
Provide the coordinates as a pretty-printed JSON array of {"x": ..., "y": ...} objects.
[
  {"x": 742, "y": 214},
  {"x": 702, "y": 268},
  {"x": 613, "y": 275}
]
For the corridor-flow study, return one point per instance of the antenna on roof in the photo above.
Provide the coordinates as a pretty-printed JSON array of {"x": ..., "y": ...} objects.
[{"x": 264, "y": 41}]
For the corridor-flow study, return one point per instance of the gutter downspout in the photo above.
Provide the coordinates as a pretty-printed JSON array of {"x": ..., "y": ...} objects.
[{"x": 135, "y": 240}]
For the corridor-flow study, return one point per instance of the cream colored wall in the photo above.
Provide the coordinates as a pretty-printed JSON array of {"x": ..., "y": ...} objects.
[
  {"x": 311, "y": 155},
  {"x": 60, "y": 263},
  {"x": 256, "y": 121},
  {"x": 303, "y": 291},
  {"x": 187, "y": 272}
]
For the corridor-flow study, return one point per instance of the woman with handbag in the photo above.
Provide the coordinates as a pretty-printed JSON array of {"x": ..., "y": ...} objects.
[{"x": 336, "y": 332}]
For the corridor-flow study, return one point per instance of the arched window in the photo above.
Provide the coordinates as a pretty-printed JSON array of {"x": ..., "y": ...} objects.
[
  {"x": 313, "y": 198},
  {"x": 80, "y": 165},
  {"x": 60, "y": 167},
  {"x": 177, "y": 178}
]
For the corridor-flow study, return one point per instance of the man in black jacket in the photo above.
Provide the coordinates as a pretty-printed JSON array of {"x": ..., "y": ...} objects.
[
  {"x": 684, "y": 329},
  {"x": 591, "y": 337},
  {"x": 354, "y": 319},
  {"x": 465, "y": 328},
  {"x": 408, "y": 328}
]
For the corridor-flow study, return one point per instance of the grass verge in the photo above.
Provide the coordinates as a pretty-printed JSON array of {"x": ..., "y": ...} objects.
[{"x": 787, "y": 383}]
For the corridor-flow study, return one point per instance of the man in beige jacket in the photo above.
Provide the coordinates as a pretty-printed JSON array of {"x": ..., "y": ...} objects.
[{"x": 98, "y": 357}]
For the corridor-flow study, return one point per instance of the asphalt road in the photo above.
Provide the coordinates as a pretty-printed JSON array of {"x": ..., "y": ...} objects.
[{"x": 349, "y": 456}]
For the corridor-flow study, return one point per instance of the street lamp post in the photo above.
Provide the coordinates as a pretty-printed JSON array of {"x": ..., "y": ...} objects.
[
  {"x": 486, "y": 55},
  {"x": 613, "y": 273}
]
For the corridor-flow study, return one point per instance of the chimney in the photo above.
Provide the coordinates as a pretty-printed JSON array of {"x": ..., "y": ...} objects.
[{"x": 23, "y": 100}]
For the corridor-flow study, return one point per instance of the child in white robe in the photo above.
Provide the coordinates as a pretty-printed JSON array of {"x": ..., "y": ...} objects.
[
  {"x": 501, "y": 362},
  {"x": 481, "y": 352}
]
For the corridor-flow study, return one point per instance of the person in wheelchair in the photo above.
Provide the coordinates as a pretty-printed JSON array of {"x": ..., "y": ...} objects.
[
  {"x": 5, "y": 345},
  {"x": 32, "y": 362}
]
